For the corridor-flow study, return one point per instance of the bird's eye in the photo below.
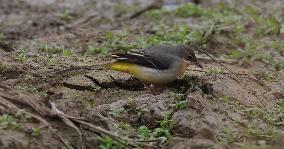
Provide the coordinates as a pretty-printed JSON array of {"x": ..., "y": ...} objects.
[{"x": 189, "y": 57}]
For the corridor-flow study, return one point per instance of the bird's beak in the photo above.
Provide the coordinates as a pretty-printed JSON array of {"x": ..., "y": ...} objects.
[{"x": 195, "y": 63}]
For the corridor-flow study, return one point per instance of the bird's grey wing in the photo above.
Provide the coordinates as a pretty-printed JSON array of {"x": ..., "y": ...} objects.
[
  {"x": 171, "y": 50},
  {"x": 162, "y": 59},
  {"x": 146, "y": 58}
]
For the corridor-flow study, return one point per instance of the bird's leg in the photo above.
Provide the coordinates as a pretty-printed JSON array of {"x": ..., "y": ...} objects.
[
  {"x": 144, "y": 84},
  {"x": 156, "y": 89},
  {"x": 153, "y": 89}
]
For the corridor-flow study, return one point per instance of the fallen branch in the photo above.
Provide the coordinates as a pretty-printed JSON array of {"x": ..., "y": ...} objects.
[
  {"x": 230, "y": 61},
  {"x": 6, "y": 47},
  {"x": 61, "y": 115},
  {"x": 17, "y": 97},
  {"x": 68, "y": 120},
  {"x": 157, "y": 4},
  {"x": 11, "y": 108},
  {"x": 241, "y": 74},
  {"x": 83, "y": 20}
]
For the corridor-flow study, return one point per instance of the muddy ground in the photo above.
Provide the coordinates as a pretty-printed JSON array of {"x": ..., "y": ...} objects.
[{"x": 49, "y": 55}]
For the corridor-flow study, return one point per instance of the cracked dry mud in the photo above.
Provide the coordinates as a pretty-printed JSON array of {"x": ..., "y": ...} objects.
[{"x": 94, "y": 94}]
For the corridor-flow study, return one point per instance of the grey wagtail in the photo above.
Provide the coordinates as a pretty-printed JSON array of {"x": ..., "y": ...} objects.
[{"x": 156, "y": 65}]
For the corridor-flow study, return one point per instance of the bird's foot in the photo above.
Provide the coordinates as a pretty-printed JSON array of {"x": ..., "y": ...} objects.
[{"x": 155, "y": 89}]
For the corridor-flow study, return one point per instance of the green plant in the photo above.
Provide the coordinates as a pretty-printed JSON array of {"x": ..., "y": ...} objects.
[
  {"x": 267, "y": 25},
  {"x": 272, "y": 116},
  {"x": 226, "y": 99},
  {"x": 124, "y": 126},
  {"x": 195, "y": 36},
  {"x": 108, "y": 143},
  {"x": 247, "y": 50},
  {"x": 144, "y": 132},
  {"x": 22, "y": 56},
  {"x": 227, "y": 136},
  {"x": 116, "y": 111},
  {"x": 211, "y": 70},
  {"x": 98, "y": 50},
  {"x": 278, "y": 45},
  {"x": 190, "y": 10},
  {"x": 66, "y": 15},
  {"x": 67, "y": 52},
  {"x": 281, "y": 106},
  {"x": 167, "y": 35},
  {"x": 43, "y": 93},
  {"x": 56, "y": 49},
  {"x": 179, "y": 105},
  {"x": 157, "y": 14},
  {"x": 177, "y": 96},
  {"x": 19, "y": 114},
  {"x": 278, "y": 65},
  {"x": 264, "y": 25},
  {"x": 8, "y": 122},
  {"x": 36, "y": 132},
  {"x": 120, "y": 41},
  {"x": 120, "y": 9},
  {"x": 51, "y": 48},
  {"x": 179, "y": 101},
  {"x": 266, "y": 134},
  {"x": 163, "y": 131},
  {"x": 2, "y": 36},
  {"x": 92, "y": 103},
  {"x": 142, "y": 109},
  {"x": 50, "y": 61},
  {"x": 268, "y": 76}
]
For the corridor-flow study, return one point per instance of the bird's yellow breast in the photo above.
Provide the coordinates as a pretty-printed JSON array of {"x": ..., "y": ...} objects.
[
  {"x": 125, "y": 67},
  {"x": 151, "y": 75}
]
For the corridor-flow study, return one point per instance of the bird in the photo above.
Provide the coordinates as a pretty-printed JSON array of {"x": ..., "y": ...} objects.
[{"x": 156, "y": 64}]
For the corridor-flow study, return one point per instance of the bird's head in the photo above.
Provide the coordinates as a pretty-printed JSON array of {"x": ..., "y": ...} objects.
[{"x": 190, "y": 56}]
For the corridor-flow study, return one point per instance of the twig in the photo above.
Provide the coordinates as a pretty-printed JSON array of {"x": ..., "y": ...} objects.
[
  {"x": 83, "y": 20},
  {"x": 6, "y": 47},
  {"x": 154, "y": 140},
  {"x": 100, "y": 130},
  {"x": 241, "y": 74},
  {"x": 68, "y": 120},
  {"x": 62, "y": 116},
  {"x": 14, "y": 108},
  {"x": 220, "y": 60},
  {"x": 25, "y": 100},
  {"x": 157, "y": 4},
  {"x": 15, "y": 96},
  {"x": 65, "y": 142},
  {"x": 199, "y": 49}
]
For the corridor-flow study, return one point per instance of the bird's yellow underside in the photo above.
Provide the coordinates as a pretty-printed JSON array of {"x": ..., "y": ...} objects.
[
  {"x": 125, "y": 67},
  {"x": 149, "y": 74}
]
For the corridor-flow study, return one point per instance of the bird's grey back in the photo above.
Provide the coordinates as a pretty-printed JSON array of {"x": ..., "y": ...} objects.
[
  {"x": 178, "y": 51},
  {"x": 164, "y": 56}
]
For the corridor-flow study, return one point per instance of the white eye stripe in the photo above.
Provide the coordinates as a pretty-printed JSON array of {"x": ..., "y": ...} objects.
[
  {"x": 121, "y": 58},
  {"x": 135, "y": 54},
  {"x": 114, "y": 56}
]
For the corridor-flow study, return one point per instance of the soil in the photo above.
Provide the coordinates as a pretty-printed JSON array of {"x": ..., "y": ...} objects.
[{"x": 94, "y": 94}]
